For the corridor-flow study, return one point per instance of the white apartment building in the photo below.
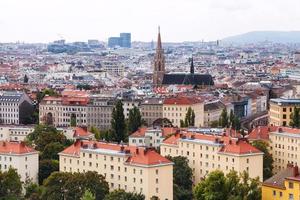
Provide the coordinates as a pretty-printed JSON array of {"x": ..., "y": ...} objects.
[
  {"x": 15, "y": 132},
  {"x": 20, "y": 157}
]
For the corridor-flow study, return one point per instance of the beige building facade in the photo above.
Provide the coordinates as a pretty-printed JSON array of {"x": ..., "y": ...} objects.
[
  {"x": 175, "y": 109},
  {"x": 207, "y": 153},
  {"x": 20, "y": 157},
  {"x": 281, "y": 110},
  {"x": 15, "y": 132},
  {"x": 130, "y": 168}
]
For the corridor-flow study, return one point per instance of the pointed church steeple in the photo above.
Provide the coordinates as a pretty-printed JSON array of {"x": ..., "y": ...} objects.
[
  {"x": 192, "y": 70},
  {"x": 159, "y": 62}
]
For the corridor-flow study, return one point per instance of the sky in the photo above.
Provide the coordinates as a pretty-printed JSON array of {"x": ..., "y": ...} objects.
[{"x": 180, "y": 20}]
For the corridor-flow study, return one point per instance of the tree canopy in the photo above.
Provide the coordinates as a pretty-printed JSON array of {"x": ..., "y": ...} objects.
[
  {"x": 223, "y": 120},
  {"x": 217, "y": 186},
  {"x": 295, "y": 118},
  {"x": 182, "y": 178},
  {"x": 122, "y": 195},
  {"x": 134, "y": 120},
  {"x": 72, "y": 186},
  {"x": 189, "y": 119},
  {"x": 10, "y": 185},
  {"x": 118, "y": 124},
  {"x": 267, "y": 159}
]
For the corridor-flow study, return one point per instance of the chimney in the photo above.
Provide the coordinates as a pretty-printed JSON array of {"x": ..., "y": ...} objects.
[
  {"x": 22, "y": 143},
  {"x": 122, "y": 148},
  {"x": 137, "y": 150},
  {"x": 295, "y": 171},
  {"x": 280, "y": 130},
  {"x": 230, "y": 142}
]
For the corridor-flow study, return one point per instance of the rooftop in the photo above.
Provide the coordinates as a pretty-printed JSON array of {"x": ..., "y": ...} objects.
[
  {"x": 15, "y": 148},
  {"x": 136, "y": 155}
]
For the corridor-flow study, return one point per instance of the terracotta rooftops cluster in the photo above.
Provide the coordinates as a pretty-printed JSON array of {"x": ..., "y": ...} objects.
[
  {"x": 135, "y": 155},
  {"x": 263, "y": 132}
]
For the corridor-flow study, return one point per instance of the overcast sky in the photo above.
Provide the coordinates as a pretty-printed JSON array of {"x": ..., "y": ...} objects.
[{"x": 180, "y": 20}]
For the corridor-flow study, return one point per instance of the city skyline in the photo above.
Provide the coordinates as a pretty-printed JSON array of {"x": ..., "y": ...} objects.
[{"x": 191, "y": 20}]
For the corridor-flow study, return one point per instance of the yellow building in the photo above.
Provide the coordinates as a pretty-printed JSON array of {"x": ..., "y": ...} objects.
[
  {"x": 175, "y": 109},
  {"x": 283, "y": 144},
  {"x": 209, "y": 152},
  {"x": 283, "y": 186},
  {"x": 281, "y": 110},
  {"x": 133, "y": 169}
]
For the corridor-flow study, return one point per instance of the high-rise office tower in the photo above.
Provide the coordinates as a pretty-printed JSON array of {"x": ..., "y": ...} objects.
[{"x": 125, "y": 40}]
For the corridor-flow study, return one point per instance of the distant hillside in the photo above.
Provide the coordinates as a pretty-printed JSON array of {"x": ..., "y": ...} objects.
[{"x": 260, "y": 36}]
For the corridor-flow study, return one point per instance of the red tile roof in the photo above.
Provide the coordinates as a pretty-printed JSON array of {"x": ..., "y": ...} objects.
[
  {"x": 136, "y": 155},
  {"x": 239, "y": 147},
  {"x": 81, "y": 132},
  {"x": 263, "y": 132},
  {"x": 231, "y": 145},
  {"x": 165, "y": 131},
  {"x": 182, "y": 100},
  {"x": 15, "y": 148}
]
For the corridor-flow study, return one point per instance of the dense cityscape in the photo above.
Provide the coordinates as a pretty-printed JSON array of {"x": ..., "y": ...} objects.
[{"x": 121, "y": 119}]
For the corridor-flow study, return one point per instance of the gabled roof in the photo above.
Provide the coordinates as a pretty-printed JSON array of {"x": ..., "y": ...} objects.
[
  {"x": 227, "y": 144},
  {"x": 15, "y": 148},
  {"x": 187, "y": 79},
  {"x": 136, "y": 155}
]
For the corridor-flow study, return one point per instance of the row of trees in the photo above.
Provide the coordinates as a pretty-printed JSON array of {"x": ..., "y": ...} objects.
[
  {"x": 189, "y": 119},
  {"x": 61, "y": 186},
  {"x": 120, "y": 127},
  {"x": 232, "y": 120}
]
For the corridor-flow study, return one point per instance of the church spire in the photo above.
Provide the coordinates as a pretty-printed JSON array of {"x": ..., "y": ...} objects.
[
  {"x": 192, "y": 70},
  {"x": 159, "y": 46},
  {"x": 159, "y": 62}
]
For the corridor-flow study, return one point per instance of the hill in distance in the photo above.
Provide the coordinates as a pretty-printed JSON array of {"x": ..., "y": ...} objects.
[{"x": 261, "y": 36}]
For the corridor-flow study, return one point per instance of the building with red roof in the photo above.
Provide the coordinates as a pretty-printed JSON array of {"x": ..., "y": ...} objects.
[
  {"x": 20, "y": 157},
  {"x": 134, "y": 169},
  {"x": 150, "y": 137},
  {"x": 209, "y": 151},
  {"x": 175, "y": 109}
]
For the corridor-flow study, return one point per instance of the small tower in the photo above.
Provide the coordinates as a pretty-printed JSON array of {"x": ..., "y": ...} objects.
[{"x": 159, "y": 63}]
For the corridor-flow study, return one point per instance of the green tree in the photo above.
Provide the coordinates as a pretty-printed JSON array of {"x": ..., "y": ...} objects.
[
  {"x": 51, "y": 150},
  {"x": 26, "y": 79},
  {"x": 182, "y": 178},
  {"x": 72, "y": 186},
  {"x": 10, "y": 185},
  {"x": 223, "y": 120},
  {"x": 214, "y": 124},
  {"x": 217, "y": 186},
  {"x": 48, "y": 91},
  {"x": 88, "y": 196},
  {"x": 43, "y": 135},
  {"x": 106, "y": 135},
  {"x": 295, "y": 118},
  {"x": 231, "y": 117},
  {"x": 267, "y": 159},
  {"x": 33, "y": 191},
  {"x": 189, "y": 119},
  {"x": 96, "y": 132},
  {"x": 122, "y": 195},
  {"x": 46, "y": 168},
  {"x": 134, "y": 120},
  {"x": 118, "y": 125},
  {"x": 236, "y": 124}
]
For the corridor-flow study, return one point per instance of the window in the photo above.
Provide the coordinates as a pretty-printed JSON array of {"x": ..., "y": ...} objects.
[
  {"x": 291, "y": 185},
  {"x": 274, "y": 193},
  {"x": 156, "y": 171},
  {"x": 291, "y": 197}
]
